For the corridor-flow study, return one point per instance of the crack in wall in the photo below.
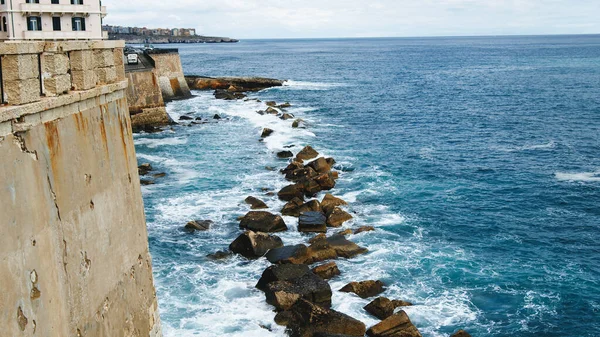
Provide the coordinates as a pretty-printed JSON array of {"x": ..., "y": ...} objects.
[
  {"x": 20, "y": 141},
  {"x": 54, "y": 198}
]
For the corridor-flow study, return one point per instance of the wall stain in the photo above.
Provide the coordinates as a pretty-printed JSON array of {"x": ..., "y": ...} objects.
[{"x": 21, "y": 319}]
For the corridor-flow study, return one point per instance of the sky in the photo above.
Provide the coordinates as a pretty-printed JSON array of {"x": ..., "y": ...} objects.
[{"x": 256, "y": 19}]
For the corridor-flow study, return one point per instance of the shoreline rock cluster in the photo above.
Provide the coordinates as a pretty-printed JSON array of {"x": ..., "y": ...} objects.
[{"x": 296, "y": 284}]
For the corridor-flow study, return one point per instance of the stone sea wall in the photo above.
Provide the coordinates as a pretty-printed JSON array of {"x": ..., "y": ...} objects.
[{"x": 74, "y": 257}]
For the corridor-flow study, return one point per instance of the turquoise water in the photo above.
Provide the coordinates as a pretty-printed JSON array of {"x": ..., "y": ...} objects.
[{"x": 475, "y": 158}]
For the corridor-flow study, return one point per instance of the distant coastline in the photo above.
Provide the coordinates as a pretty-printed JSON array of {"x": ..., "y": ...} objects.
[{"x": 163, "y": 39}]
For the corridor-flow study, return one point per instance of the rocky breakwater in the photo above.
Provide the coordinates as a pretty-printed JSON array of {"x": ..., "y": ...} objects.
[
  {"x": 296, "y": 283},
  {"x": 231, "y": 88}
]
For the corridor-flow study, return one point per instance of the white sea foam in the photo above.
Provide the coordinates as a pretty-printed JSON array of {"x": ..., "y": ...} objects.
[
  {"x": 530, "y": 147},
  {"x": 156, "y": 142},
  {"x": 578, "y": 177},
  {"x": 306, "y": 85}
]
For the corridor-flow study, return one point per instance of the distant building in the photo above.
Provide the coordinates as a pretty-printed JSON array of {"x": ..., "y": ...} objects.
[
  {"x": 51, "y": 20},
  {"x": 175, "y": 32}
]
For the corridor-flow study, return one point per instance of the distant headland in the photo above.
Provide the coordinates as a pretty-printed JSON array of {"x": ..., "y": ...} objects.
[{"x": 160, "y": 35}]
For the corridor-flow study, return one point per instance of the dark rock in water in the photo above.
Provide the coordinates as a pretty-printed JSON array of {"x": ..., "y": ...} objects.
[
  {"x": 364, "y": 229},
  {"x": 253, "y": 245},
  {"x": 159, "y": 175},
  {"x": 284, "y": 294},
  {"x": 270, "y": 168},
  {"x": 327, "y": 271},
  {"x": 364, "y": 289},
  {"x": 271, "y": 103},
  {"x": 272, "y": 111},
  {"x": 261, "y": 112},
  {"x": 326, "y": 181},
  {"x": 380, "y": 307},
  {"x": 261, "y": 221},
  {"x": 282, "y": 272},
  {"x": 256, "y": 203},
  {"x": 288, "y": 254},
  {"x": 292, "y": 207},
  {"x": 397, "y": 325},
  {"x": 293, "y": 166},
  {"x": 286, "y": 116},
  {"x": 399, "y": 303},
  {"x": 344, "y": 247},
  {"x": 220, "y": 255},
  {"x": 284, "y": 105},
  {"x": 289, "y": 146},
  {"x": 216, "y": 116},
  {"x": 308, "y": 319},
  {"x": 329, "y": 202},
  {"x": 345, "y": 232},
  {"x": 320, "y": 165},
  {"x": 307, "y": 153},
  {"x": 198, "y": 118},
  {"x": 266, "y": 133},
  {"x": 298, "y": 123},
  {"x": 337, "y": 217},
  {"x": 300, "y": 173},
  {"x": 198, "y": 225},
  {"x": 312, "y": 222},
  {"x": 311, "y": 206},
  {"x": 461, "y": 333},
  {"x": 228, "y": 95},
  {"x": 320, "y": 250},
  {"x": 310, "y": 187},
  {"x": 185, "y": 118},
  {"x": 285, "y": 154},
  {"x": 146, "y": 182},
  {"x": 290, "y": 192},
  {"x": 144, "y": 169}
]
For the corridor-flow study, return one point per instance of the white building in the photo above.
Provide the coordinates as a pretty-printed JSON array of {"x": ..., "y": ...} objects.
[{"x": 51, "y": 20}]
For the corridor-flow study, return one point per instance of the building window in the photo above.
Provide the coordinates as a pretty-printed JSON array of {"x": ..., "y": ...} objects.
[
  {"x": 34, "y": 23},
  {"x": 56, "y": 23},
  {"x": 1, "y": 2},
  {"x": 55, "y": 2},
  {"x": 4, "y": 24},
  {"x": 76, "y": 2},
  {"x": 33, "y": 1},
  {"x": 78, "y": 24}
]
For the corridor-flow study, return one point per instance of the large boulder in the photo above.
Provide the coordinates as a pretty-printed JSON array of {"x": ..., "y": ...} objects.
[
  {"x": 297, "y": 254},
  {"x": 292, "y": 207},
  {"x": 382, "y": 307},
  {"x": 461, "y": 333},
  {"x": 310, "y": 206},
  {"x": 326, "y": 181},
  {"x": 397, "y": 325},
  {"x": 364, "y": 289},
  {"x": 290, "y": 192},
  {"x": 293, "y": 166},
  {"x": 312, "y": 222},
  {"x": 307, "y": 153},
  {"x": 144, "y": 169},
  {"x": 306, "y": 319},
  {"x": 254, "y": 245},
  {"x": 298, "y": 174},
  {"x": 363, "y": 229},
  {"x": 284, "y": 154},
  {"x": 284, "y": 294},
  {"x": 256, "y": 203},
  {"x": 261, "y": 221},
  {"x": 281, "y": 272},
  {"x": 266, "y": 132},
  {"x": 320, "y": 165},
  {"x": 326, "y": 271},
  {"x": 344, "y": 247},
  {"x": 310, "y": 187},
  {"x": 337, "y": 217},
  {"x": 320, "y": 250},
  {"x": 198, "y": 225},
  {"x": 329, "y": 202}
]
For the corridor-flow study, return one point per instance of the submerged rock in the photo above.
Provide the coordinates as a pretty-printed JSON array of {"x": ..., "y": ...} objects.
[
  {"x": 198, "y": 225},
  {"x": 285, "y": 154},
  {"x": 298, "y": 123},
  {"x": 255, "y": 203},
  {"x": 144, "y": 169},
  {"x": 261, "y": 221},
  {"x": 364, "y": 289},
  {"x": 461, "y": 333},
  {"x": 253, "y": 245},
  {"x": 364, "y": 229},
  {"x": 284, "y": 105},
  {"x": 220, "y": 255},
  {"x": 397, "y": 325}
]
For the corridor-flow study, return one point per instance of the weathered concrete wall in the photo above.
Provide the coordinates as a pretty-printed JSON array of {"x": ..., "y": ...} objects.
[
  {"x": 74, "y": 257},
  {"x": 170, "y": 76},
  {"x": 143, "y": 91}
]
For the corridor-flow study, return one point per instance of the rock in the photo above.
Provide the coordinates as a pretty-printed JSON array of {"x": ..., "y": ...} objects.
[
  {"x": 335, "y": 175},
  {"x": 253, "y": 245},
  {"x": 461, "y": 333},
  {"x": 272, "y": 111},
  {"x": 198, "y": 225},
  {"x": 288, "y": 254},
  {"x": 364, "y": 229},
  {"x": 144, "y": 169},
  {"x": 261, "y": 221},
  {"x": 320, "y": 250},
  {"x": 228, "y": 95},
  {"x": 337, "y": 217},
  {"x": 326, "y": 271},
  {"x": 323, "y": 248},
  {"x": 285, "y": 105},
  {"x": 198, "y": 118},
  {"x": 240, "y": 83},
  {"x": 311, "y": 206},
  {"x": 146, "y": 182},
  {"x": 310, "y": 187},
  {"x": 364, "y": 289},
  {"x": 318, "y": 237},
  {"x": 312, "y": 222},
  {"x": 271, "y": 103},
  {"x": 397, "y": 325},
  {"x": 285, "y": 154},
  {"x": 256, "y": 203},
  {"x": 399, "y": 303},
  {"x": 381, "y": 307},
  {"x": 298, "y": 123},
  {"x": 220, "y": 255},
  {"x": 308, "y": 319},
  {"x": 281, "y": 272},
  {"x": 270, "y": 168},
  {"x": 185, "y": 118},
  {"x": 299, "y": 174},
  {"x": 216, "y": 116},
  {"x": 286, "y": 116},
  {"x": 261, "y": 112},
  {"x": 284, "y": 294},
  {"x": 325, "y": 181},
  {"x": 159, "y": 175},
  {"x": 307, "y": 153},
  {"x": 329, "y": 202},
  {"x": 345, "y": 232},
  {"x": 292, "y": 207},
  {"x": 266, "y": 133},
  {"x": 320, "y": 165},
  {"x": 293, "y": 166},
  {"x": 344, "y": 247},
  {"x": 290, "y": 192}
]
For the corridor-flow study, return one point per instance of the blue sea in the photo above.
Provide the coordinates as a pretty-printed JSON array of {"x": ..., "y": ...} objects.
[{"x": 476, "y": 159}]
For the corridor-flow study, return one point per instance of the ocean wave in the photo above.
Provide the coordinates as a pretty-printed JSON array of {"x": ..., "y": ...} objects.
[
  {"x": 578, "y": 177},
  {"x": 156, "y": 142},
  {"x": 306, "y": 85},
  {"x": 530, "y": 147}
]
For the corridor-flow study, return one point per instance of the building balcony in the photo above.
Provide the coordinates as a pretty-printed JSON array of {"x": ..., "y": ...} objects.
[
  {"x": 57, "y": 9},
  {"x": 59, "y": 35}
]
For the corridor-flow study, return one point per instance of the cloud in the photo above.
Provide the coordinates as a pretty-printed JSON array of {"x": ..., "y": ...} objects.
[{"x": 349, "y": 18}]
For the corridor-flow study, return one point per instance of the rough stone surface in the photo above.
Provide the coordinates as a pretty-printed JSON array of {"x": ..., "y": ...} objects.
[
  {"x": 337, "y": 217},
  {"x": 255, "y": 244},
  {"x": 329, "y": 202},
  {"x": 312, "y": 222},
  {"x": 461, "y": 333},
  {"x": 151, "y": 117},
  {"x": 20, "y": 67},
  {"x": 397, "y": 325},
  {"x": 381, "y": 307},
  {"x": 290, "y": 192},
  {"x": 284, "y": 294},
  {"x": 320, "y": 165},
  {"x": 297, "y": 254},
  {"x": 105, "y": 75},
  {"x": 281, "y": 272},
  {"x": 198, "y": 225},
  {"x": 308, "y": 319},
  {"x": 292, "y": 207},
  {"x": 19, "y": 92},
  {"x": 364, "y": 289},
  {"x": 83, "y": 79},
  {"x": 261, "y": 221},
  {"x": 256, "y": 203},
  {"x": 56, "y": 63},
  {"x": 307, "y": 153},
  {"x": 57, "y": 85},
  {"x": 327, "y": 271}
]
